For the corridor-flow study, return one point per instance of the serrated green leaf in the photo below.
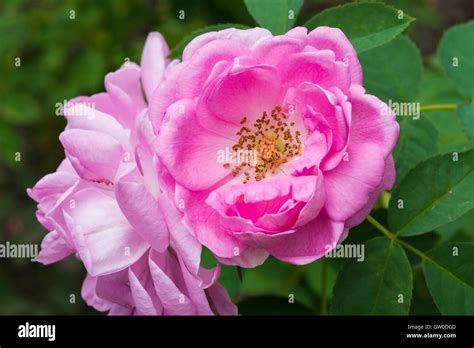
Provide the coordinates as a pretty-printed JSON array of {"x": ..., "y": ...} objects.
[
  {"x": 434, "y": 193},
  {"x": 177, "y": 51},
  {"x": 397, "y": 79},
  {"x": 456, "y": 54},
  {"x": 449, "y": 274},
  {"x": 380, "y": 285},
  {"x": 418, "y": 140},
  {"x": 367, "y": 25},
  {"x": 278, "y": 16},
  {"x": 466, "y": 114}
]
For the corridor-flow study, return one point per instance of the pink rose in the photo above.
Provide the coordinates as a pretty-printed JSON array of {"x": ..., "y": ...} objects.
[
  {"x": 270, "y": 144},
  {"x": 105, "y": 204}
]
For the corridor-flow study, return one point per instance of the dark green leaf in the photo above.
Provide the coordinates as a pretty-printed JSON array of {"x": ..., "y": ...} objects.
[
  {"x": 278, "y": 16},
  {"x": 380, "y": 285},
  {"x": 418, "y": 140},
  {"x": 398, "y": 79},
  {"x": 435, "y": 192},
  {"x": 449, "y": 274},
  {"x": 466, "y": 113},
  {"x": 456, "y": 53},
  {"x": 367, "y": 25}
]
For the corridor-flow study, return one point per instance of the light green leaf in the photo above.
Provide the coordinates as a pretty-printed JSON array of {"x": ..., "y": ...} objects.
[
  {"x": 367, "y": 25},
  {"x": 177, "y": 51},
  {"x": 466, "y": 114},
  {"x": 417, "y": 142},
  {"x": 434, "y": 193},
  {"x": 380, "y": 285},
  {"x": 278, "y": 16},
  {"x": 397, "y": 79},
  {"x": 449, "y": 273},
  {"x": 456, "y": 53}
]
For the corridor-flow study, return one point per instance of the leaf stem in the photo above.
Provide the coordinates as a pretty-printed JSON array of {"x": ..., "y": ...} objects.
[
  {"x": 324, "y": 281},
  {"x": 436, "y": 107},
  {"x": 395, "y": 238}
]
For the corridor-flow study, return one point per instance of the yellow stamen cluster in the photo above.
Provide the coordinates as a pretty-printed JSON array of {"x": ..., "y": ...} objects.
[{"x": 273, "y": 140}]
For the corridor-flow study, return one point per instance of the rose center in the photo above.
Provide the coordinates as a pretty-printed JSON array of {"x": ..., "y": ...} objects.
[{"x": 265, "y": 146}]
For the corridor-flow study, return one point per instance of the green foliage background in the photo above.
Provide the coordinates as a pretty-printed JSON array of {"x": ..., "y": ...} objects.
[{"x": 63, "y": 58}]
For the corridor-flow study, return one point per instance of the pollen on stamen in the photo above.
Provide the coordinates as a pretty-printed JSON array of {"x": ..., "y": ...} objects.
[{"x": 271, "y": 140}]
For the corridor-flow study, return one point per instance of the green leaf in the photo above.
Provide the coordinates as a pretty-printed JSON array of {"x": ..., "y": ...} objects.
[
  {"x": 272, "y": 305},
  {"x": 278, "y": 16},
  {"x": 456, "y": 54},
  {"x": 393, "y": 79},
  {"x": 177, "y": 51},
  {"x": 466, "y": 114},
  {"x": 276, "y": 278},
  {"x": 377, "y": 285},
  {"x": 435, "y": 192},
  {"x": 314, "y": 277},
  {"x": 449, "y": 273},
  {"x": 417, "y": 142},
  {"x": 367, "y": 25}
]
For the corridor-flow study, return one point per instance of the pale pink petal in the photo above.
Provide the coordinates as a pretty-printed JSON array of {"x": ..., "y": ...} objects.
[
  {"x": 142, "y": 212},
  {"x": 88, "y": 293},
  {"x": 104, "y": 239},
  {"x": 124, "y": 88},
  {"x": 221, "y": 300},
  {"x": 53, "y": 249},
  {"x": 153, "y": 62},
  {"x": 95, "y": 156}
]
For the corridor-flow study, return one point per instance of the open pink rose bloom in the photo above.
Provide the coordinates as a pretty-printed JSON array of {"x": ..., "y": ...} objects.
[{"x": 253, "y": 145}]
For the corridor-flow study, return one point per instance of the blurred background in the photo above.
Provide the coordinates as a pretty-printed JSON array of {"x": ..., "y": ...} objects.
[{"x": 63, "y": 57}]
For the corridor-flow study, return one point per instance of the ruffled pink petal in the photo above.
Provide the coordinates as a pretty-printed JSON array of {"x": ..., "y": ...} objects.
[
  {"x": 386, "y": 184},
  {"x": 273, "y": 50},
  {"x": 88, "y": 293},
  {"x": 115, "y": 288},
  {"x": 142, "y": 212},
  {"x": 95, "y": 156},
  {"x": 182, "y": 241},
  {"x": 204, "y": 221},
  {"x": 53, "y": 249},
  {"x": 310, "y": 242},
  {"x": 249, "y": 258},
  {"x": 124, "y": 88},
  {"x": 86, "y": 116},
  {"x": 145, "y": 300},
  {"x": 105, "y": 241},
  {"x": 372, "y": 121},
  {"x": 191, "y": 153},
  {"x": 243, "y": 91},
  {"x": 249, "y": 37},
  {"x": 153, "y": 62},
  {"x": 326, "y": 38},
  {"x": 348, "y": 185},
  {"x": 221, "y": 300},
  {"x": 317, "y": 66},
  {"x": 174, "y": 301}
]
